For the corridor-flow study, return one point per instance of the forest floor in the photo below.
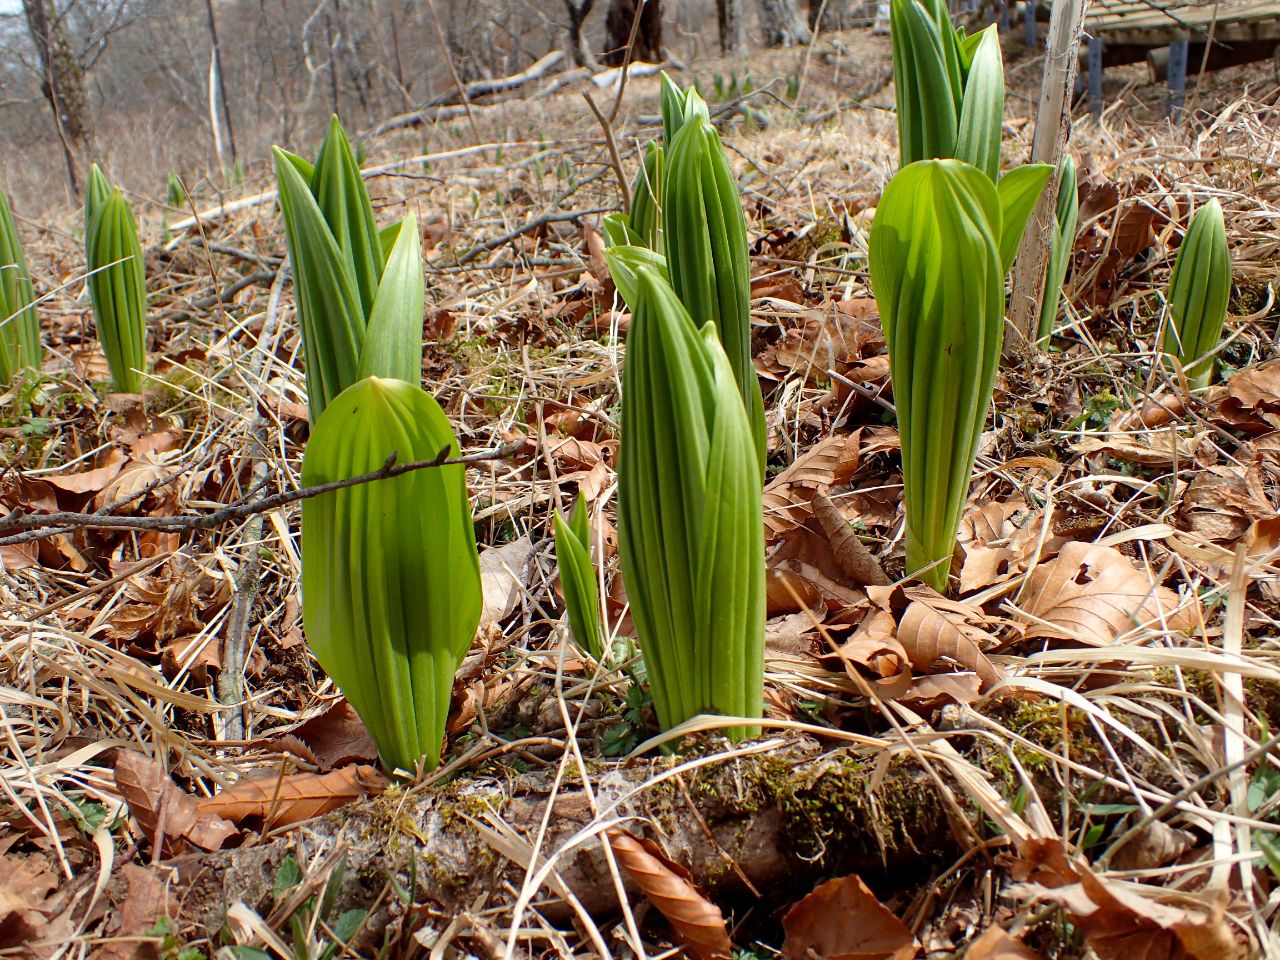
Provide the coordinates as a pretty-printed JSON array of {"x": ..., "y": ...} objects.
[{"x": 1074, "y": 753}]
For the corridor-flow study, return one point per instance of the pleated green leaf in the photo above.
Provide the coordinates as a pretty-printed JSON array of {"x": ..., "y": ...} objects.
[
  {"x": 644, "y": 193},
  {"x": 329, "y": 310},
  {"x": 618, "y": 231},
  {"x": 705, "y": 239},
  {"x": 927, "y": 83},
  {"x": 391, "y": 592},
  {"x": 625, "y": 262},
  {"x": 1019, "y": 189},
  {"x": 96, "y": 191},
  {"x": 19, "y": 327},
  {"x": 578, "y": 579},
  {"x": 982, "y": 111},
  {"x": 342, "y": 197},
  {"x": 1199, "y": 291},
  {"x": 393, "y": 342},
  {"x": 1061, "y": 245},
  {"x": 938, "y": 280},
  {"x": 673, "y": 105},
  {"x": 690, "y": 521},
  {"x": 118, "y": 289}
]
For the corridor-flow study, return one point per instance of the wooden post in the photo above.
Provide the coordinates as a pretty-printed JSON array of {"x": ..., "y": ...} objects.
[
  {"x": 1095, "y": 76},
  {"x": 1029, "y": 22},
  {"x": 1053, "y": 125}
]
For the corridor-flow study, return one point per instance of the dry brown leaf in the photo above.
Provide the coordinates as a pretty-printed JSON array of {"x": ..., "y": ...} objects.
[
  {"x": 26, "y": 886},
  {"x": 930, "y": 632},
  {"x": 1154, "y": 412},
  {"x": 995, "y": 944},
  {"x": 1120, "y": 923},
  {"x": 281, "y": 801},
  {"x": 337, "y": 737},
  {"x": 162, "y": 810},
  {"x": 850, "y": 331},
  {"x": 793, "y": 585},
  {"x": 828, "y": 463},
  {"x": 18, "y": 556},
  {"x": 998, "y": 539},
  {"x": 89, "y": 481},
  {"x": 502, "y": 578},
  {"x": 1156, "y": 448},
  {"x": 145, "y": 901},
  {"x": 696, "y": 920},
  {"x": 855, "y": 560},
  {"x": 875, "y": 649},
  {"x": 1250, "y": 400},
  {"x": 930, "y": 693},
  {"x": 789, "y": 637},
  {"x": 1221, "y": 503},
  {"x": 1156, "y": 845},
  {"x": 1093, "y": 594},
  {"x": 843, "y": 920}
]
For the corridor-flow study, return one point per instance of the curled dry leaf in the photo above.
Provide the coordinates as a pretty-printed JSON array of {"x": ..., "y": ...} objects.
[
  {"x": 998, "y": 540},
  {"x": 1093, "y": 594},
  {"x": 843, "y": 920},
  {"x": 1153, "y": 448},
  {"x": 787, "y": 497},
  {"x": 1250, "y": 400},
  {"x": 931, "y": 634},
  {"x": 995, "y": 944},
  {"x": 145, "y": 901},
  {"x": 697, "y": 921},
  {"x": 793, "y": 585},
  {"x": 337, "y": 737},
  {"x": 846, "y": 331},
  {"x": 1155, "y": 412},
  {"x": 281, "y": 801},
  {"x": 1122, "y": 921},
  {"x": 89, "y": 481},
  {"x": 27, "y": 907},
  {"x": 1221, "y": 503},
  {"x": 852, "y": 555},
  {"x": 502, "y": 578},
  {"x": 163, "y": 812}
]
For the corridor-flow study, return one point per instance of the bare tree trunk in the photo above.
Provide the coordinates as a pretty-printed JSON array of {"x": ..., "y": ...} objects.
[
  {"x": 222, "y": 87},
  {"x": 578, "y": 13},
  {"x": 733, "y": 33},
  {"x": 783, "y": 26},
  {"x": 1053, "y": 128},
  {"x": 62, "y": 83},
  {"x": 648, "y": 34},
  {"x": 830, "y": 14}
]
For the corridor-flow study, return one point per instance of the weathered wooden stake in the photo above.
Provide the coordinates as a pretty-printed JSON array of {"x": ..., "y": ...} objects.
[
  {"x": 1053, "y": 126},
  {"x": 1095, "y": 76},
  {"x": 1177, "y": 79},
  {"x": 1029, "y": 22}
]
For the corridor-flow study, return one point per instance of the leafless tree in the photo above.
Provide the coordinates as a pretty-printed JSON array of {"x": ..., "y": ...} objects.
[
  {"x": 62, "y": 82},
  {"x": 641, "y": 17},
  {"x": 831, "y": 14},
  {"x": 732, "y": 28},
  {"x": 578, "y": 11},
  {"x": 782, "y": 23}
]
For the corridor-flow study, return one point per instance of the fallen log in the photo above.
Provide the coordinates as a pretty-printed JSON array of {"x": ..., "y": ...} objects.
[{"x": 773, "y": 818}]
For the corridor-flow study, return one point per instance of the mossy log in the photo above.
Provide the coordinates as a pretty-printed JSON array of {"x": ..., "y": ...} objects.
[{"x": 765, "y": 821}]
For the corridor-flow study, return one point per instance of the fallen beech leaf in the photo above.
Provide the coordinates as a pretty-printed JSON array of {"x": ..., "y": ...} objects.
[
  {"x": 828, "y": 463},
  {"x": 1156, "y": 448},
  {"x": 282, "y": 801},
  {"x": 999, "y": 539},
  {"x": 1155, "y": 412},
  {"x": 995, "y": 944},
  {"x": 792, "y": 586},
  {"x": 875, "y": 648},
  {"x": 1250, "y": 400},
  {"x": 1156, "y": 845},
  {"x": 1120, "y": 923},
  {"x": 18, "y": 556},
  {"x": 26, "y": 886},
  {"x": 1093, "y": 594},
  {"x": 828, "y": 337},
  {"x": 843, "y": 920},
  {"x": 1220, "y": 503},
  {"x": 144, "y": 903},
  {"x": 930, "y": 635},
  {"x": 89, "y": 481},
  {"x": 696, "y": 921},
  {"x": 928, "y": 693},
  {"x": 502, "y": 578},
  {"x": 789, "y": 637},
  {"x": 162, "y": 810},
  {"x": 855, "y": 560},
  {"x": 337, "y": 737}
]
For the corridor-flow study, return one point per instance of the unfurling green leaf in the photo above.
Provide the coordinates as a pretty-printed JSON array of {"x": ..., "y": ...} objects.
[
  {"x": 938, "y": 278},
  {"x": 390, "y": 577},
  {"x": 704, "y": 233},
  {"x": 117, "y": 282},
  {"x": 578, "y": 579},
  {"x": 690, "y": 522},
  {"x": 1019, "y": 189},
  {"x": 1199, "y": 291},
  {"x": 19, "y": 327},
  {"x": 645, "y": 214},
  {"x": 360, "y": 290},
  {"x": 1061, "y": 244},
  {"x": 624, "y": 261}
]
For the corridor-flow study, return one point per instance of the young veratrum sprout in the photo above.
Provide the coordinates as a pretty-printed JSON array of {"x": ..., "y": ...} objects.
[
  {"x": 939, "y": 251},
  {"x": 1199, "y": 289},
  {"x": 19, "y": 327},
  {"x": 578, "y": 579},
  {"x": 949, "y": 87},
  {"x": 1061, "y": 243},
  {"x": 391, "y": 592},
  {"x": 360, "y": 292},
  {"x": 117, "y": 281},
  {"x": 690, "y": 523}
]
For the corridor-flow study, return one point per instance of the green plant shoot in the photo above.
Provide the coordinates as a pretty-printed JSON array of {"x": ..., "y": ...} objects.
[
  {"x": 391, "y": 590},
  {"x": 1199, "y": 291},
  {"x": 117, "y": 282},
  {"x": 19, "y": 326},
  {"x": 1061, "y": 244},
  {"x": 578, "y": 579}
]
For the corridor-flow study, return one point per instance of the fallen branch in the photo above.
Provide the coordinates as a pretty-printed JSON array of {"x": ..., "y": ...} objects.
[
  {"x": 39, "y": 526},
  {"x": 479, "y": 88}
]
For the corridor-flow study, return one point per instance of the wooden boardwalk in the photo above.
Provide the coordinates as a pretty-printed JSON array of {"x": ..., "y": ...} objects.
[{"x": 1154, "y": 23}]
